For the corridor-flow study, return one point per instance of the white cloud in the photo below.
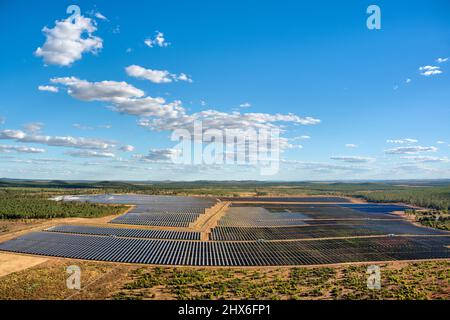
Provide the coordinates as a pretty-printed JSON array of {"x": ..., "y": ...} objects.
[
  {"x": 213, "y": 119},
  {"x": 169, "y": 116},
  {"x": 352, "y": 159},
  {"x": 98, "y": 91},
  {"x": 245, "y": 105},
  {"x": 155, "y": 76},
  {"x": 127, "y": 148},
  {"x": 301, "y": 138},
  {"x": 441, "y": 60},
  {"x": 184, "y": 77},
  {"x": 159, "y": 155},
  {"x": 411, "y": 150},
  {"x": 440, "y": 142},
  {"x": 48, "y": 88},
  {"x": 425, "y": 159},
  {"x": 68, "y": 40},
  {"x": 408, "y": 80},
  {"x": 19, "y": 149},
  {"x": 430, "y": 70},
  {"x": 55, "y": 141},
  {"x": 90, "y": 154},
  {"x": 158, "y": 41},
  {"x": 402, "y": 141},
  {"x": 351, "y": 145},
  {"x": 100, "y": 16}
]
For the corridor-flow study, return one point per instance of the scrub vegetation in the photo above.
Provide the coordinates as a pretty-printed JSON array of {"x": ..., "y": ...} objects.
[
  {"x": 35, "y": 204},
  {"x": 404, "y": 281}
]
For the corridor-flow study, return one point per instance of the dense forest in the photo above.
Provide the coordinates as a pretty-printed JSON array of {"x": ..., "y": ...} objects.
[{"x": 35, "y": 204}]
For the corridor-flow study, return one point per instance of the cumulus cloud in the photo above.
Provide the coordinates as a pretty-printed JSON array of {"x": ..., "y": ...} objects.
[
  {"x": 127, "y": 148},
  {"x": 20, "y": 149},
  {"x": 430, "y": 70},
  {"x": 183, "y": 77},
  {"x": 90, "y": 154},
  {"x": 411, "y": 150},
  {"x": 98, "y": 91},
  {"x": 159, "y": 115},
  {"x": 352, "y": 159},
  {"x": 403, "y": 141},
  {"x": 441, "y": 60},
  {"x": 213, "y": 119},
  {"x": 55, "y": 141},
  {"x": 158, "y": 41},
  {"x": 155, "y": 76},
  {"x": 48, "y": 88},
  {"x": 170, "y": 115},
  {"x": 68, "y": 40},
  {"x": 245, "y": 105}
]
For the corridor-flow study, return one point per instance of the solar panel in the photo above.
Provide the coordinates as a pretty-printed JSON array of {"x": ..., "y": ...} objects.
[
  {"x": 253, "y": 253},
  {"x": 128, "y": 233}
]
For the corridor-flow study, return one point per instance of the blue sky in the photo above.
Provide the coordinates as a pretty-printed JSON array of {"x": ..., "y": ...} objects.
[{"x": 352, "y": 103}]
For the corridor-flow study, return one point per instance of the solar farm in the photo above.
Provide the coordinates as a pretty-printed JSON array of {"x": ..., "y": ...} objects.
[{"x": 253, "y": 231}]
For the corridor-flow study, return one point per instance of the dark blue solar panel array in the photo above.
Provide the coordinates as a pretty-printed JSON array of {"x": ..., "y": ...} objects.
[
  {"x": 375, "y": 208},
  {"x": 129, "y": 233},
  {"x": 202, "y": 253},
  {"x": 322, "y": 230},
  {"x": 150, "y": 210}
]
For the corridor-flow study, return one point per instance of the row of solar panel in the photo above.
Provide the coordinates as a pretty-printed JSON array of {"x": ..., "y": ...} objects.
[
  {"x": 145, "y": 200},
  {"x": 168, "y": 210},
  {"x": 155, "y": 219},
  {"x": 128, "y": 233},
  {"x": 200, "y": 253},
  {"x": 336, "y": 229},
  {"x": 286, "y": 199},
  {"x": 270, "y": 215}
]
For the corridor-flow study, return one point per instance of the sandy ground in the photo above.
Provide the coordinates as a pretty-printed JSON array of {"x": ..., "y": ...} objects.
[{"x": 10, "y": 263}]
